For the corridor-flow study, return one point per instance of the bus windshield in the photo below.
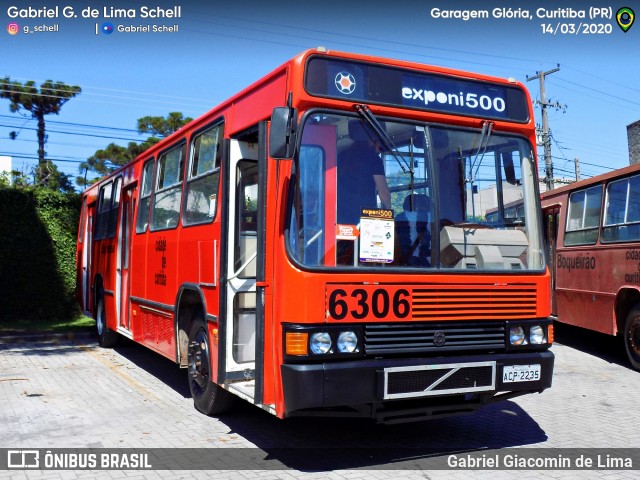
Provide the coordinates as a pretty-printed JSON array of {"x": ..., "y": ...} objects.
[{"x": 372, "y": 192}]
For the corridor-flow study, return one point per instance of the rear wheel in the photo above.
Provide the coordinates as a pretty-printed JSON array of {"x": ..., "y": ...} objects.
[
  {"x": 208, "y": 397},
  {"x": 106, "y": 337},
  {"x": 632, "y": 337}
]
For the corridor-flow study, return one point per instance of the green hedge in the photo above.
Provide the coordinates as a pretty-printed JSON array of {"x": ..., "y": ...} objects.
[{"x": 38, "y": 231}]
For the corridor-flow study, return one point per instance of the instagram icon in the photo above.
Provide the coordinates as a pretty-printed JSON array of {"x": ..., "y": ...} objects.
[{"x": 13, "y": 28}]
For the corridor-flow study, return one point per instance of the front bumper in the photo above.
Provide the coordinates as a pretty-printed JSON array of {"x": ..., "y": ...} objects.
[{"x": 430, "y": 385}]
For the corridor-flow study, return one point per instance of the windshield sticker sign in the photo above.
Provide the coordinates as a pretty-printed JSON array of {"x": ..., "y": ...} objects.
[
  {"x": 347, "y": 232},
  {"x": 376, "y": 235}
]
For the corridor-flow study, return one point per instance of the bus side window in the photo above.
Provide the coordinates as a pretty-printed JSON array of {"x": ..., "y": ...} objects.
[
  {"x": 583, "y": 217},
  {"x": 168, "y": 194},
  {"x": 622, "y": 211},
  {"x": 115, "y": 207},
  {"x": 104, "y": 209},
  {"x": 202, "y": 179},
  {"x": 142, "y": 221}
]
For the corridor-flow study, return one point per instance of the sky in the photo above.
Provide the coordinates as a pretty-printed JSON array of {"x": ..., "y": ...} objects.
[{"x": 222, "y": 46}]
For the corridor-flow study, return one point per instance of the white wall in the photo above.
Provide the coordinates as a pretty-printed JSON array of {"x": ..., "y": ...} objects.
[{"x": 6, "y": 165}]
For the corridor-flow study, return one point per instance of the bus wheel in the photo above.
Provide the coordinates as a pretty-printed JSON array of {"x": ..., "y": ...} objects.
[
  {"x": 632, "y": 337},
  {"x": 106, "y": 337},
  {"x": 208, "y": 397}
]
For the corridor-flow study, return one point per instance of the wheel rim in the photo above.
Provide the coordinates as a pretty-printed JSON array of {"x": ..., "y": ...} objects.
[{"x": 199, "y": 361}]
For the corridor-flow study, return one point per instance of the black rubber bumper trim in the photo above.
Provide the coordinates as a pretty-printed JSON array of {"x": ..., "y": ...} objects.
[{"x": 354, "y": 383}]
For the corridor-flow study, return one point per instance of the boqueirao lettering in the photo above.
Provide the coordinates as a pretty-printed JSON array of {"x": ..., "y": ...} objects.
[{"x": 576, "y": 263}]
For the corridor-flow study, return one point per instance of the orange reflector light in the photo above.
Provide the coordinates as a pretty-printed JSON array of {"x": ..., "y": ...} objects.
[
  {"x": 297, "y": 343},
  {"x": 550, "y": 333}
]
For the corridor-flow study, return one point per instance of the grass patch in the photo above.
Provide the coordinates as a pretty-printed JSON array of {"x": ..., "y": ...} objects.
[{"x": 81, "y": 323}]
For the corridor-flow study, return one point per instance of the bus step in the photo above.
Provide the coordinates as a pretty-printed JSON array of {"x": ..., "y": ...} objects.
[{"x": 245, "y": 390}]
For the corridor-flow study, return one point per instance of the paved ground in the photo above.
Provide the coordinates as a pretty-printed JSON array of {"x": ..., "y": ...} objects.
[{"x": 72, "y": 394}]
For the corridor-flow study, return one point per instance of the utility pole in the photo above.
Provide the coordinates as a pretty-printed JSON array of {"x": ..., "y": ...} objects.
[
  {"x": 546, "y": 137},
  {"x": 577, "y": 162}
]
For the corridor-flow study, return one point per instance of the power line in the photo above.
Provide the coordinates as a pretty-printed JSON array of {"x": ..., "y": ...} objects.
[
  {"x": 63, "y": 160},
  {"x": 341, "y": 35},
  {"x": 129, "y": 92},
  {"x": 57, "y": 122},
  {"x": 574, "y": 84},
  {"x": 77, "y": 133},
  {"x": 605, "y": 79}
]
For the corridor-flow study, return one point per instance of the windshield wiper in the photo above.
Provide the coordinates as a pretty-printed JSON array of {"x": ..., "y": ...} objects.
[
  {"x": 373, "y": 123},
  {"x": 485, "y": 135}
]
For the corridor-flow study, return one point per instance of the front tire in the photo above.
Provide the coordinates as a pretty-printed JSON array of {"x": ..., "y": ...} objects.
[
  {"x": 632, "y": 337},
  {"x": 208, "y": 397},
  {"x": 106, "y": 337}
]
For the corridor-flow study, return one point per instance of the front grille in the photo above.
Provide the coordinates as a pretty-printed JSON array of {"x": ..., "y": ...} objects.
[
  {"x": 419, "y": 337},
  {"x": 408, "y": 382},
  {"x": 474, "y": 302},
  {"x": 470, "y": 377}
]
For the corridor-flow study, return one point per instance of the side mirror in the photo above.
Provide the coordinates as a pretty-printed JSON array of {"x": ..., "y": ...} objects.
[{"x": 283, "y": 134}]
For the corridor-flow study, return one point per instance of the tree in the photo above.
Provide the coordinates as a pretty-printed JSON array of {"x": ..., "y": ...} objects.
[
  {"x": 113, "y": 156},
  {"x": 108, "y": 159},
  {"x": 49, "y": 99},
  {"x": 162, "y": 127},
  {"x": 49, "y": 175},
  {"x": 14, "y": 179}
]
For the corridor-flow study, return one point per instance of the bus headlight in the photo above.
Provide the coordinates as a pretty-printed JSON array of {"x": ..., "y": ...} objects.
[
  {"x": 536, "y": 335},
  {"x": 516, "y": 336},
  {"x": 347, "y": 342},
  {"x": 320, "y": 343}
]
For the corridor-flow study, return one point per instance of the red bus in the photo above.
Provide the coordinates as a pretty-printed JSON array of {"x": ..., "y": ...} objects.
[
  {"x": 317, "y": 244},
  {"x": 593, "y": 231}
]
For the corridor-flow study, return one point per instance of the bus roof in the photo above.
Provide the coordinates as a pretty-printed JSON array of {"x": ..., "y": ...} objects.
[{"x": 592, "y": 181}]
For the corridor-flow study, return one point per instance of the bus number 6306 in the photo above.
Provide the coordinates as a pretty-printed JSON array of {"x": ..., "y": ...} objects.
[{"x": 361, "y": 303}]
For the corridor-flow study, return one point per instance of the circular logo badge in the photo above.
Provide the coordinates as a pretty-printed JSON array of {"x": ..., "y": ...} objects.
[
  {"x": 345, "y": 83},
  {"x": 107, "y": 28},
  {"x": 439, "y": 338}
]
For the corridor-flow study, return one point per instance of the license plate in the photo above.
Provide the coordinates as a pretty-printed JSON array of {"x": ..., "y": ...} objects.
[{"x": 520, "y": 373}]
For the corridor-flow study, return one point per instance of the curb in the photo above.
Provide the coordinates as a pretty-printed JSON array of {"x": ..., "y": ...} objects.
[{"x": 24, "y": 337}]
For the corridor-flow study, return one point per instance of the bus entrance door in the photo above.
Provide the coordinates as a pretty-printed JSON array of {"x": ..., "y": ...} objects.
[
  {"x": 87, "y": 242},
  {"x": 122, "y": 260},
  {"x": 551, "y": 218},
  {"x": 243, "y": 249}
]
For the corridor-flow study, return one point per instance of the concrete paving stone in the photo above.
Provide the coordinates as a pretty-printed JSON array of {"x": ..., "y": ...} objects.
[{"x": 77, "y": 395}]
